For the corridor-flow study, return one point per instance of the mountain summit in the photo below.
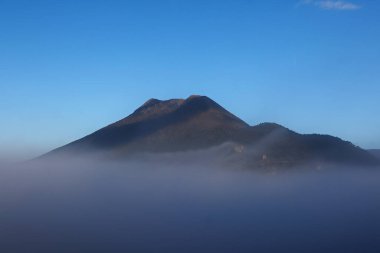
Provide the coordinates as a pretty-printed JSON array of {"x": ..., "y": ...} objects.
[
  {"x": 165, "y": 126},
  {"x": 199, "y": 123}
]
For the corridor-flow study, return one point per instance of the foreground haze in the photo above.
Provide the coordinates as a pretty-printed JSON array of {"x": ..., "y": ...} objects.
[{"x": 82, "y": 206}]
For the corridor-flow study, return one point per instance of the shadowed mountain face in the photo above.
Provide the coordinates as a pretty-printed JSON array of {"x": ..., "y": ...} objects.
[
  {"x": 375, "y": 152},
  {"x": 199, "y": 123},
  {"x": 165, "y": 126}
]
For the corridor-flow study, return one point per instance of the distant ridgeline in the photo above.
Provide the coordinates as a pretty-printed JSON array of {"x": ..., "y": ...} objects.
[{"x": 200, "y": 125}]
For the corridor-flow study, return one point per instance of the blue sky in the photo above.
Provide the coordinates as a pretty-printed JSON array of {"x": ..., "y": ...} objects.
[{"x": 70, "y": 67}]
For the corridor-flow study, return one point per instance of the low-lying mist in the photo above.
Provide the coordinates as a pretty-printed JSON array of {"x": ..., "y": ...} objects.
[{"x": 85, "y": 206}]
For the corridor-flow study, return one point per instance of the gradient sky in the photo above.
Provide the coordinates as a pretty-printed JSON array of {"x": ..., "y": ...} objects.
[{"x": 70, "y": 67}]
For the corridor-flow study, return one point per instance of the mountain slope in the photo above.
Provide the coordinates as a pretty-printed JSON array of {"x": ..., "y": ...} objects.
[
  {"x": 199, "y": 123},
  {"x": 375, "y": 152},
  {"x": 171, "y": 125}
]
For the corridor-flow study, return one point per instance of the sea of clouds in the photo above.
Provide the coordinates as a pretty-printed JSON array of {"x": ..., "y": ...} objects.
[{"x": 68, "y": 205}]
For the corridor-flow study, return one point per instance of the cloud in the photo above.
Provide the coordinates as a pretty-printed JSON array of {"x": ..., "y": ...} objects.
[
  {"x": 332, "y": 5},
  {"x": 144, "y": 206}
]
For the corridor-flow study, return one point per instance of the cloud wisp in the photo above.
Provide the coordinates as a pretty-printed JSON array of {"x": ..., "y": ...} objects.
[{"x": 332, "y": 5}]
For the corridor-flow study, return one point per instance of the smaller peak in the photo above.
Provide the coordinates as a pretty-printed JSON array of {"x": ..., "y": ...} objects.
[
  {"x": 151, "y": 101},
  {"x": 200, "y": 98},
  {"x": 194, "y": 96},
  {"x": 156, "y": 106},
  {"x": 270, "y": 126}
]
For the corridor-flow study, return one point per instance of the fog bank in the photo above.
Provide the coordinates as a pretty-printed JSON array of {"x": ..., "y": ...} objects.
[{"x": 83, "y": 206}]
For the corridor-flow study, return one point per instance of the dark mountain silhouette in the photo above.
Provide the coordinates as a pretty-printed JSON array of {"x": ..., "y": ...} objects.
[
  {"x": 375, "y": 152},
  {"x": 199, "y": 123}
]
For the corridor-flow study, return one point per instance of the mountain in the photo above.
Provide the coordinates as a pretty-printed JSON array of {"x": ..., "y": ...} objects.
[
  {"x": 200, "y": 124},
  {"x": 375, "y": 152}
]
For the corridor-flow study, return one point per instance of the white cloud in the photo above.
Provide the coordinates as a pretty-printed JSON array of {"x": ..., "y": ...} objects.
[{"x": 332, "y": 4}]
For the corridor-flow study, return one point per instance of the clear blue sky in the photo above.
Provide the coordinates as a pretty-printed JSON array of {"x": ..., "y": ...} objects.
[{"x": 70, "y": 67}]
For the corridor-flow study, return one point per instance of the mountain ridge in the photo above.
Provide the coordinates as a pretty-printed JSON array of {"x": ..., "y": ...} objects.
[
  {"x": 375, "y": 152},
  {"x": 199, "y": 123}
]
